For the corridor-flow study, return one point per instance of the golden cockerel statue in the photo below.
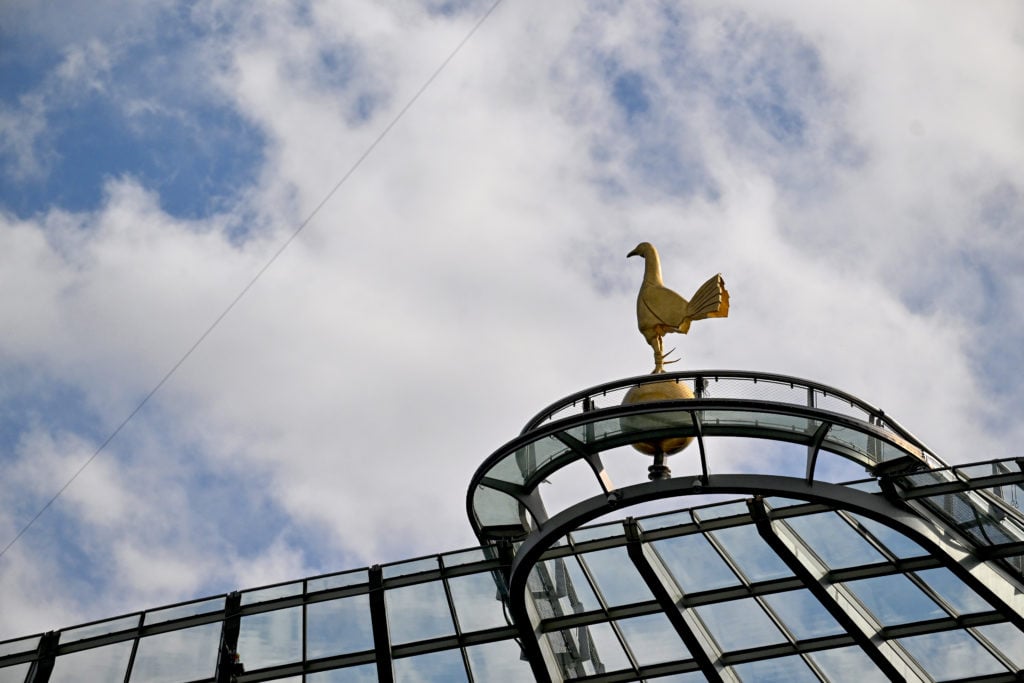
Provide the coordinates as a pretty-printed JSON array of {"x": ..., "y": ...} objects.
[{"x": 659, "y": 310}]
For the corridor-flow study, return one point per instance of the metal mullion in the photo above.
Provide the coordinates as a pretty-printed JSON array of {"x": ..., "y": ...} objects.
[
  {"x": 230, "y": 628},
  {"x": 669, "y": 605},
  {"x": 305, "y": 630},
  {"x": 455, "y": 620},
  {"x": 820, "y": 591},
  {"x": 379, "y": 624},
  {"x": 135, "y": 648}
]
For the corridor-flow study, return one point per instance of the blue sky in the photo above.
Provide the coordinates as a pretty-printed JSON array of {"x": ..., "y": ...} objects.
[{"x": 855, "y": 180}]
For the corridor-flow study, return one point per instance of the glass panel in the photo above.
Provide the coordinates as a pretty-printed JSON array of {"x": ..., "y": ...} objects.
[
  {"x": 740, "y": 624},
  {"x": 436, "y": 667},
  {"x": 517, "y": 467},
  {"x": 751, "y": 553},
  {"x": 652, "y": 639},
  {"x": 602, "y": 649},
  {"x": 418, "y": 612},
  {"x": 951, "y": 654},
  {"x": 666, "y": 520},
  {"x": 616, "y": 577},
  {"x": 834, "y": 541},
  {"x": 477, "y": 601},
  {"x": 100, "y": 629},
  {"x": 272, "y": 593},
  {"x": 721, "y": 510},
  {"x": 1008, "y": 639},
  {"x": 364, "y": 673},
  {"x": 107, "y": 663},
  {"x": 14, "y": 647},
  {"x": 895, "y": 600},
  {"x": 335, "y": 627},
  {"x": 593, "y": 532},
  {"x": 563, "y": 589},
  {"x": 270, "y": 638},
  {"x": 182, "y": 611},
  {"x": 596, "y": 431},
  {"x": 848, "y": 664},
  {"x": 898, "y": 544},
  {"x": 802, "y": 614},
  {"x": 711, "y": 572},
  {"x": 426, "y": 564},
  {"x": 465, "y": 557},
  {"x": 183, "y": 655},
  {"x": 759, "y": 420},
  {"x": 500, "y": 661},
  {"x": 779, "y": 670},
  {"x": 953, "y": 591},
  {"x": 679, "y": 421},
  {"x": 14, "y": 674},
  {"x": 324, "y": 583},
  {"x": 494, "y": 508}
]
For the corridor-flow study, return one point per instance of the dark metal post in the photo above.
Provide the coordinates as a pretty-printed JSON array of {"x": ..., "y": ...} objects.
[
  {"x": 42, "y": 667},
  {"x": 227, "y": 663},
  {"x": 379, "y": 620}
]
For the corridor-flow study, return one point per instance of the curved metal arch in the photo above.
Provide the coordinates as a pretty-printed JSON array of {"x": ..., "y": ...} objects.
[
  {"x": 586, "y": 397},
  {"x": 956, "y": 555},
  {"x": 696, "y": 426}
]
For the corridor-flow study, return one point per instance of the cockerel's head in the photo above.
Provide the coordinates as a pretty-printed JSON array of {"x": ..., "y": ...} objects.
[{"x": 643, "y": 249}]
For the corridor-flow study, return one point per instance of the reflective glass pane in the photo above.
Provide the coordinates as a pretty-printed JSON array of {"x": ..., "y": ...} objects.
[
  {"x": 751, "y": 553},
  {"x": 494, "y": 508},
  {"x": 605, "y": 650},
  {"x": 652, "y": 639},
  {"x": 181, "y": 611},
  {"x": 1008, "y": 639},
  {"x": 272, "y": 593},
  {"x": 753, "y": 419},
  {"x": 848, "y": 664},
  {"x": 898, "y": 544},
  {"x": 834, "y": 541},
  {"x": 681, "y": 554},
  {"x": 183, "y": 655},
  {"x": 364, "y": 673},
  {"x": 500, "y": 661},
  {"x": 559, "y": 587},
  {"x": 778, "y": 670},
  {"x": 951, "y": 654},
  {"x": 464, "y": 557},
  {"x": 425, "y": 564},
  {"x": 953, "y": 591},
  {"x": 418, "y": 612},
  {"x": 14, "y": 647},
  {"x": 593, "y": 532},
  {"x": 324, "y": 583},
  {"x": 436, "y": 667},
  {"x": 335, "y": 627},
  {"x": 517, "y": 467},
  {"x": 739, "y": 624},
  {"x": 477, "y": 601},
  {"x": 107, "y": 663},
  {"x": 616, "y": 577},
  {"x": 270, "y": 638},
  {"x": 666, "y": 520},
  {"x": 802, "y": 614},
  {"x": 14, "y": 674},
  {"x": 721, "y": 510},
  {"x": 100, "y": 629},
  {"x": 895, "y": 600}
]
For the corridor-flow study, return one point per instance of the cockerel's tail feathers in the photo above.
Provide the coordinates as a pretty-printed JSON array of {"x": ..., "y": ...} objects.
[{"x": 710, "y": 301}]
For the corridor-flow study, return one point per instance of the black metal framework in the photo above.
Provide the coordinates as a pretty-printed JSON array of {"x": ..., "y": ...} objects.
[{"x": 803, "y": 579}]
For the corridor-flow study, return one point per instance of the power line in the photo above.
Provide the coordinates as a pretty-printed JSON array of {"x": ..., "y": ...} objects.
[{"x": 280, "y": 250}]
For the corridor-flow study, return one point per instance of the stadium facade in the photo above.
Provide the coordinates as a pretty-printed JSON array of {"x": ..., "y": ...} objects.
[{"x": 752, "y": 568}]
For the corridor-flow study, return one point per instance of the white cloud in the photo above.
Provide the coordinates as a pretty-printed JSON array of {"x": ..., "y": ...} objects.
[{"x": 474, "y": 268}]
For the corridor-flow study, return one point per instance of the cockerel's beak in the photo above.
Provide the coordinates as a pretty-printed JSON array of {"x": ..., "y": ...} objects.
[{"x": 633, "y": 253}]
